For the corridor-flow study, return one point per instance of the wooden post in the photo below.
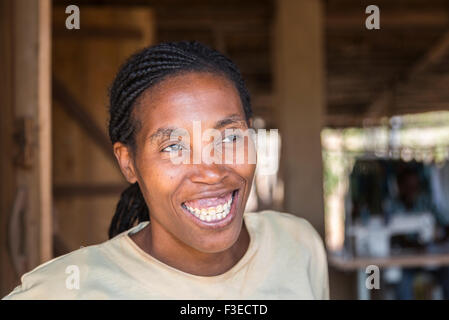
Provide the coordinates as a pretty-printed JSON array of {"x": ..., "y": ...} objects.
[
  {"x": 8, "y": 277},
  {"x": 26, "y": 98},
  {"x": 300, "y": 97}
]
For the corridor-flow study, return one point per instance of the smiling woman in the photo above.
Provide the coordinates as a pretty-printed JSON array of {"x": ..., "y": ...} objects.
[{"x": 180, "y": 230}]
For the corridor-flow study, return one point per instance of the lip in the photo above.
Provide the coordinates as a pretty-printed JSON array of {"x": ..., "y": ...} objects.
[
  {"x": 211, "y": 194},
  {"x": 220, "y": 223}
]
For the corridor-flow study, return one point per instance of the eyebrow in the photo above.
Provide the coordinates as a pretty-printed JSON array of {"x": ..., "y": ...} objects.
[
  {"x": 233, "y": 118},
  {"x": 166, "y": 132},
  {"x": 161, "y": 133}
]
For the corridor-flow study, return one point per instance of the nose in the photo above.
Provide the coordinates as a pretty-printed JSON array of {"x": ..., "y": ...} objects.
[{"x": 212, "y": 173}]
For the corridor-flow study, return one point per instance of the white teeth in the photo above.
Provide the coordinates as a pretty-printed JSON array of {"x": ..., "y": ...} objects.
[{"x": 213, "y": 213}]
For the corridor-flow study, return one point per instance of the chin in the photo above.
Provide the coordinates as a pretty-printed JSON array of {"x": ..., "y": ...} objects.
[{"x": 219, "y": 242}]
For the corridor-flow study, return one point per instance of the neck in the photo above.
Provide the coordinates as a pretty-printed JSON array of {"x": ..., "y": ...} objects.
[{"x": 187, "y": 259}]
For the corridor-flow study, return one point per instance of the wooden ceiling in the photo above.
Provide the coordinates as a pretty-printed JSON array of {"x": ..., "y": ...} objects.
[{"x": 401, "y": 68}]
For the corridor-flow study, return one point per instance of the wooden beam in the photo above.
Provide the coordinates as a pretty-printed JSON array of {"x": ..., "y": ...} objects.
[
  {"x": 434, "y": 55},
  {"x": 79, "y": 114},
  {"x": 88, "y": 190},
  {"x": 104, "y": 33},
  {"x": 350, "y": 120},
  {"x": 405, "y": 261},
  {"x": 403, "y": 19},
  {"x": 210, "y": 23}
]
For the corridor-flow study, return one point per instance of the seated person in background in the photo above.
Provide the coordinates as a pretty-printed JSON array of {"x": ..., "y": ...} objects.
[{"x": 412, "y": 199}]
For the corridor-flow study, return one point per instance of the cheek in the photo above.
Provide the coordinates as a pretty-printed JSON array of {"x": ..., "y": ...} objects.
[
  {"x": 248, "y": 168},
  {"x": 244, "y": 163},
  {"x": 246, "y": 172},
  {"x": 160, "y": 180}
]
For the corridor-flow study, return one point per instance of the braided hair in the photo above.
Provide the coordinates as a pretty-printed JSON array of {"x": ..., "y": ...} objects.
[{"x": 141, "y": 71}]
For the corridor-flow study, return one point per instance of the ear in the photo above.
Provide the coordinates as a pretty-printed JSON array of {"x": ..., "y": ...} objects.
[{"x": 125, "y": 161}]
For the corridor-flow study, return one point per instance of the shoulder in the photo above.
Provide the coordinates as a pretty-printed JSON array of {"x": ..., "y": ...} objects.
[
  {"x": 305, "y": 245},
  {"x": 57, "y": 278},
  {"x": 287, "y": 225}
]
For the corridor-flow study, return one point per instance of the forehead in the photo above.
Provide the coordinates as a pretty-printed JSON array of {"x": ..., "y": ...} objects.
[{"x": 182, "y": 99}]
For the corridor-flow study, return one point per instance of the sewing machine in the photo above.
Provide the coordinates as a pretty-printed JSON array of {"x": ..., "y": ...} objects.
[{"x": 373, "y": 238}]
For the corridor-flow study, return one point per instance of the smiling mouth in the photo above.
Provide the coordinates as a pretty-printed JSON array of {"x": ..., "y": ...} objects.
[{"x": 211, "y": 209}]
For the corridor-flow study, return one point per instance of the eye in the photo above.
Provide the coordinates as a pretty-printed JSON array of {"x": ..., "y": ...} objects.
[
  {"x": 231, "y": 138},
  {"x": 172, "y": 148}
]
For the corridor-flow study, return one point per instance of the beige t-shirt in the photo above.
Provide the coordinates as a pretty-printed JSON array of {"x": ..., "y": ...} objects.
[{"x": 285, "y": 260}]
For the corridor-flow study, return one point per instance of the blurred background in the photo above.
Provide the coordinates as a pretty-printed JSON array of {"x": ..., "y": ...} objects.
[{"x": 362, "y": 115}]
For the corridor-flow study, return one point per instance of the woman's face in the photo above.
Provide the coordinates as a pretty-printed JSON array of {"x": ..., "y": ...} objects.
[{"x": 201, "y": 204}]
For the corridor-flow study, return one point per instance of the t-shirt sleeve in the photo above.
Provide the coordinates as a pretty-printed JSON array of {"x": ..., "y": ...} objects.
[
  {"x": 29, "y": 290},
  {"x": 13, "y": 294},
  {"x": 52, "y": 279},
  {"x": 42, "y": 284}
]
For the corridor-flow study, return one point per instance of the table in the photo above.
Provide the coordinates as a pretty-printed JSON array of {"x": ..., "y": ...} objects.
[{"x": 359, "y": 264}]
